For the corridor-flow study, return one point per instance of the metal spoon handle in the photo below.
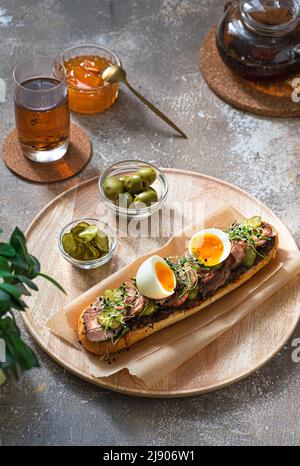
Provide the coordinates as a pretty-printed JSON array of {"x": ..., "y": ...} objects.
[{"x": 155, "y": 109}]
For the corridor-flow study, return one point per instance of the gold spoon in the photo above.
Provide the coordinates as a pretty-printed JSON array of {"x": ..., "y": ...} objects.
[{"x": 115, "y": 74}]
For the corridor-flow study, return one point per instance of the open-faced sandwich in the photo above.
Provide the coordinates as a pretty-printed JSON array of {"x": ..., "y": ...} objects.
[{"x": 167, "y": 290}]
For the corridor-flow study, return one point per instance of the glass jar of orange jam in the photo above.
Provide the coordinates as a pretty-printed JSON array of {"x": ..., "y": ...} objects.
[{"x": 88, "y": 93}]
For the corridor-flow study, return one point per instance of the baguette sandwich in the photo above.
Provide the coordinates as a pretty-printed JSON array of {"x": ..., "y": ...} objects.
[{"x": 168, "y": 290}]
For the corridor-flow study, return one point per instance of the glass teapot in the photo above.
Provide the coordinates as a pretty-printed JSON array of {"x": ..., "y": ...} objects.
[{"x": 260, "y": 39}]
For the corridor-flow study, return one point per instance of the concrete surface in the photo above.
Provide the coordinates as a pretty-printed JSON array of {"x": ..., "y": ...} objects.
[{"x": 158, "y": 42}]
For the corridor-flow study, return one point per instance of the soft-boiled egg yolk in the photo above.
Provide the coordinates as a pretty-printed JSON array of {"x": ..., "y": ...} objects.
[
  {"x": 165, "y": 275},
  {"x": 155, "y": 279},
  {"x": 210, "y": 246}
]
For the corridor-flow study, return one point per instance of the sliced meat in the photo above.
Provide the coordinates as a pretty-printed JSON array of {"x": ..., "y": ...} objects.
[
  {"x": 177, "y": 300},
  {"x": 174, "y": 260},
  {"x": 161, "y": 302},
  {"x": 130, "y": 291},
  {"x": 212, "y": 280},
  {"x": 237, "y": 254},
  {"x": 99, "y": 334},
  {"x": 137, "y": 306},
  {"x": 268, "y": 232},
  {"x": 134, "y": 300},
  {"x": 94, "y": 331},
  {"x": 188, "y": 277}
]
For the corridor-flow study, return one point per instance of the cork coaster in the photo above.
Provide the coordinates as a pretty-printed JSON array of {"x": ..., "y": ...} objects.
[
  {"x": 273, "y": 99},
  {"x": 76, "y": 158}
]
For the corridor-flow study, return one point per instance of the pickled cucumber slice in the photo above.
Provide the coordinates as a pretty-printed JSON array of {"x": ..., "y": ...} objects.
[
  {"x": 254, "y": 222},
  {"x": 110, "y": 319},
  {"x": 94, "y": 251},
  {"x": 113, "y": 294},
  {"x": 85, "y": 242},
  {"x": 87, "y": 255},
  {"x": 76, "y": 232},
  {"x": 78, "y": 254},
  {"x": 89, "y": 233},
  {"x": 250, "y": 257},
  {"x": 83, "y": 225},
  {"x": 193, "y": 294},
  {"x": 69, "y": 244},
  {"x": 149, "y": 309},
  {"x": 101, "y": 241}
]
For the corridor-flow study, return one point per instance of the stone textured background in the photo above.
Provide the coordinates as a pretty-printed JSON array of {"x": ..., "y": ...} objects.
[{"x": 158, "y": 42}]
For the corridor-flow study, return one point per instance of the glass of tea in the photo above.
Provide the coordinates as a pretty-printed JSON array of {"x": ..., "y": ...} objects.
[
  {"x": 84, "y": 64},
  {"x": 41, "y": 109}
]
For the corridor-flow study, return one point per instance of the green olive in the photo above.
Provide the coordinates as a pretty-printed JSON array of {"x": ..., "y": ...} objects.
[
  {"x": 134, "y": 183},
  {"x": 146, "y": 197},
  {"x": 145, "y": 180},
  {"x": 125, "y": 199},
  {"x": 148, "y": 173},
  {"x": 250, "y": 257},
  {"x": 122, "y": 179},
  {"x": 112, "y": 187}
]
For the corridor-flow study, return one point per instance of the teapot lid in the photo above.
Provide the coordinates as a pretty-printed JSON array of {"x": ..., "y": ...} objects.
[{"x": 270, "y": 17}]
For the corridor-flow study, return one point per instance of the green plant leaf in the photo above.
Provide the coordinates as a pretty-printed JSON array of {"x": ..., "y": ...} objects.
[
  {"x": 6, "y": 250},
  {"x": 18, "y": 268},
  {"x": 5, "y": 302},
  {"x": 23, "y": 288},
  {"x": 34, "y": 266},
  {"x": 5, "y": 274},
  {"x": 19, "y": 265},
  {"x": 16, "y": 347},
  {"x": 22, "y": 353},
  {"x": 11, "y": 289},
  {"x": 17, "y": 303},
  {"x": 51, "y": 280},
  {"x": 27, "y": 282},
  {"x": 4, "y": 264},
  {"x": 18, "y": 242}
]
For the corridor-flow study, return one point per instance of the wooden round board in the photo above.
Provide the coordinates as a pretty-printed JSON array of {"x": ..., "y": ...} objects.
[{"x": 233, "y": 356}]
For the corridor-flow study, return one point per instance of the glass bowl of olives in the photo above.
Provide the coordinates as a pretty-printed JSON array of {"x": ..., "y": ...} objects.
[
  {"x": 133, "y": 188},
  {"x": 87, "y": 243}
]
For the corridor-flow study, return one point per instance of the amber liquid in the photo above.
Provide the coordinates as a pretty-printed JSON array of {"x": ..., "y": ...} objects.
[
  {"x": 41, "y": 123},
  {"x": 255, "y": 56},
  {"x": 88, "y": 93}
]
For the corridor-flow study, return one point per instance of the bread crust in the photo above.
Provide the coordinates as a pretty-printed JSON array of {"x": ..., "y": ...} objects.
[{"x": 133, "y": 336}]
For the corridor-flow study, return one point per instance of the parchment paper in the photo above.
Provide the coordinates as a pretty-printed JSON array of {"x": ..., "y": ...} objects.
[{"x": 157, "y": 355}]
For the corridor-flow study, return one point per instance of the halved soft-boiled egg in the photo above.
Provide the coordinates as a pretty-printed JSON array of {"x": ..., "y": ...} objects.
[
  {"x": 210, "y": 246},
  {"x": 155, "y": 279}
]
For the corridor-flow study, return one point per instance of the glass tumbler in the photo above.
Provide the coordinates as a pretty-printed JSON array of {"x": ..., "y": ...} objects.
[{"x": 41, "y": 109}]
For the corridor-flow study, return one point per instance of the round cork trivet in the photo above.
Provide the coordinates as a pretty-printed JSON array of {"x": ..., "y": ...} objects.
[
  {"x": 273, "y": 99},
  {"x": 76, "y": 158}
]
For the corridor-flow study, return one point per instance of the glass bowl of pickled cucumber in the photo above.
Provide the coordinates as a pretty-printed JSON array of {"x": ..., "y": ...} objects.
[
  {"x": 133, "y": 188},
  {"x": 87, "y": 243}
]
